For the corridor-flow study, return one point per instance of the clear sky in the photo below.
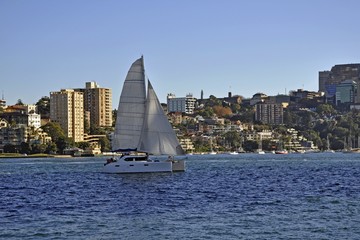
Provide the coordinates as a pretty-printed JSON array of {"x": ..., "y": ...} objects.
[{"x": 216, "y": 46}]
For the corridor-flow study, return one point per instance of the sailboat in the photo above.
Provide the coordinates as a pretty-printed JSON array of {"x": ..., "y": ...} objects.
[
  {"x": 259, "y": 150},
  {"x": 328, "y": 150},
  {"x": 142, "y": 129},
  {"x": 212, "y": 152},
  {"x": 281, "y": 149},
  {"x": 347, "y": 145}
]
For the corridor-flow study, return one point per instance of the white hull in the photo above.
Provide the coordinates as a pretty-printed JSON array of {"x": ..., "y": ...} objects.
[
  {"x": 138, "y": 167},
  {"x": 141, "y": 164},
  {"x": 281, "y": 152}
]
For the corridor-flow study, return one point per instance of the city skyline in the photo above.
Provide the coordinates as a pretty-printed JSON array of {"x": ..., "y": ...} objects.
[
  {"x": 288, "y": 92},
  {"x": 238, "y": 46}
]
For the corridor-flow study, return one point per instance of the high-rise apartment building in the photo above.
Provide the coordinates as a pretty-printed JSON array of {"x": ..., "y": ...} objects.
[
  {"x": 269, "y": 113},
  {"x": 346, "y": 91},
  {"x": 183, "y": 105},
  {"x": 329, "y": 80},
  {"x": 98, "y": 103},
  {"x": 67, "y": 109}
]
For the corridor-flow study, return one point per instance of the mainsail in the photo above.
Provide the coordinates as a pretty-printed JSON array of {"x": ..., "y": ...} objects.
[
  {"x": 141, "y": 122},
  {"x": 130, "y": 115}
]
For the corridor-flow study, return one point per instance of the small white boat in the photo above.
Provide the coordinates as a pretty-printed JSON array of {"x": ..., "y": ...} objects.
[
  {"x": 328, "y": 150},
  {"x": 259, "y": 151},
  {"x": 233, "y": 153},
  {"x": 281, "y": 152}
]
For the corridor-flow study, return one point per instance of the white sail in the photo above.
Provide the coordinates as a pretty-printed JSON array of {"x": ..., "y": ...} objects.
[
  {"x": 130, "y": 115},
  {"x": 141, "y": 122},
  {"x": 158, "y": 136}
]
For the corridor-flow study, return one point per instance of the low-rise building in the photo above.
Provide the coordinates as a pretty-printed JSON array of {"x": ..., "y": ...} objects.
[
  {"x": 22, "y": 114},
  {"x": 13, "y": 135},
  {"x": 2, "y": 103},
  {"x": 187, "y": 145}
]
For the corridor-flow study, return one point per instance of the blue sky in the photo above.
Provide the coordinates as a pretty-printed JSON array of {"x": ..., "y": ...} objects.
[{"x": 190, "y": 45}]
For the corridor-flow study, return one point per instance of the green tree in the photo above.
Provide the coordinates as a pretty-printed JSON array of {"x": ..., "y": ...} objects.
[
  {"x": 235, "y": 108},
  {"x": 83, "y": 145},
  {"x": 250, "y": 145},
  {"x": 213, "y": 101},
  {"x": 62, "y": 143},
  {"x": 25, "y": 148},
  {"x": 337, "y": 144},
  {"x": 51, "y": 148},
  {"x": 325, "y": 109},
  {"x": 206, "y": 112},
  {"x": 54, "y": 131},
  {"x": 43, "y": 106},
  {"x": 290, "y": 118},
  {"x": 38, "y": 148},
  {"x": 97, "y": 130},
  {"x": 19, "y": 102},
  {"x": 340, "y": 132},
  {"x": 86, "y": 126},
  {"x": 247, "y": 114},
  {"x": 233, "y": 139},
  {"x": 268, "y": 145},
  {"x": 105, "y": 144},
  {"x": 313, "y": 136},
  {"x": 200, "y": 145},
  {"x": 114, "y": 116},
  {"x": 57, "y": 135},
  {"x": 9, "y": 148}
]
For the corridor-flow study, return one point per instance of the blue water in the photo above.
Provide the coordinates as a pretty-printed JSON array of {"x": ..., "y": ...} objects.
[{"x": 246, "y": 196}]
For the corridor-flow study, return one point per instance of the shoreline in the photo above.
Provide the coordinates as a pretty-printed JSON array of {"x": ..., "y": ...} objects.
[{"x": 4, "y": 156}]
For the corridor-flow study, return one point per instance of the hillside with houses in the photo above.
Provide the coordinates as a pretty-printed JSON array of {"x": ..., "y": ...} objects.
[{"x": 299, "y": 122}]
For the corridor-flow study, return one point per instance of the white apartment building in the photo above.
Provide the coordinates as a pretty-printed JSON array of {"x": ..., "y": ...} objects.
[
  {"x": 2, "y": 103},
  {"x": 34, "y": 120},
  {"x": 30, "y": 108}
]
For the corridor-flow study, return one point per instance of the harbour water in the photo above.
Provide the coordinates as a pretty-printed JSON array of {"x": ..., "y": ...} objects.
[{"x": 245, "y": 196}]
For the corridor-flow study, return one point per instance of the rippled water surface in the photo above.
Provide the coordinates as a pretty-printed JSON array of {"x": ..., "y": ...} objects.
[{"x": 246, "y": 196}]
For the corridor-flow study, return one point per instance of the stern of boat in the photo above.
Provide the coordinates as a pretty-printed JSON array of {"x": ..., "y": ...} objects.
[{"x": 178, "y": 166}]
